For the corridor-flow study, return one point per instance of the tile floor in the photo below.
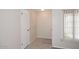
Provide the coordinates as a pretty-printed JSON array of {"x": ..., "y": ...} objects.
[{"x": 40, "y": 44}]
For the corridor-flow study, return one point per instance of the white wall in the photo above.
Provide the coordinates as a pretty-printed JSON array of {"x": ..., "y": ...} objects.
[
  {"x": 57, "y": 33},
  {"x": 9, "y": 29},
  {"x": 57, "y": 26},
  {"x": 44, "y": 25}
]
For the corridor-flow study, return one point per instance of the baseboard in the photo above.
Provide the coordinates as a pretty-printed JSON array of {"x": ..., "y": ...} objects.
[
  {"x": 44, "y": 37},
  {"x": 56, "y": 48}
]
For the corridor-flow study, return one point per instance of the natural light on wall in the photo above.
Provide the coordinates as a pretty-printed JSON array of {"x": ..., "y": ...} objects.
[
  {"x": 71, "y": 24},
  {"x": 42, "y": 9}
]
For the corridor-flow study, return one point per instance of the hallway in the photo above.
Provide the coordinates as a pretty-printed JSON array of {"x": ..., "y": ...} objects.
[{"x": 40, "y": 44}]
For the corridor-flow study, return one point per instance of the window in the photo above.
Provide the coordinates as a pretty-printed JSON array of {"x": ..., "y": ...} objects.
[
  {"x": 71, "y": 24},
  {"x": 76, "y": 24}
]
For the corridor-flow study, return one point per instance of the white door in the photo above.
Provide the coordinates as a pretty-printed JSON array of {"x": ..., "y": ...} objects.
[{"x": 25, "y": 28}]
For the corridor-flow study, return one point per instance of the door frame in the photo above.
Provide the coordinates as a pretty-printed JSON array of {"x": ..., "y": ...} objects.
[{"x": 22, "y": 11}]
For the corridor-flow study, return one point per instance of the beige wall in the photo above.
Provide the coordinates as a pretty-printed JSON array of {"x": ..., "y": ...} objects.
[
  {"x": 33, "y": 18},
  {"x": 44, "y": 24}
]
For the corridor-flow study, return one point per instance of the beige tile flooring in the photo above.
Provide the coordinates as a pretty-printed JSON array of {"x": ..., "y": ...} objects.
[{"x": 40, "y": 43}]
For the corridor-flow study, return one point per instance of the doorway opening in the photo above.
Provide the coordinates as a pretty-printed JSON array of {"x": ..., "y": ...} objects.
[{"x": 41, "y": 29}]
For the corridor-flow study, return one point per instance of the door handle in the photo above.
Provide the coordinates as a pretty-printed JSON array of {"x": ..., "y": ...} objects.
[{"x": 28, "y": 29}]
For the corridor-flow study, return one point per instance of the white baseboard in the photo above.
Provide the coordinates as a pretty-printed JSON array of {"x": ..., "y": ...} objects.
[{"x": 44, "y": 37}]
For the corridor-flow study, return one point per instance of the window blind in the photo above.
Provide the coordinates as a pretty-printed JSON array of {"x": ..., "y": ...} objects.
[
  {"x": 71, "y": 24},
  {"x": 68, "y": 24}
]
